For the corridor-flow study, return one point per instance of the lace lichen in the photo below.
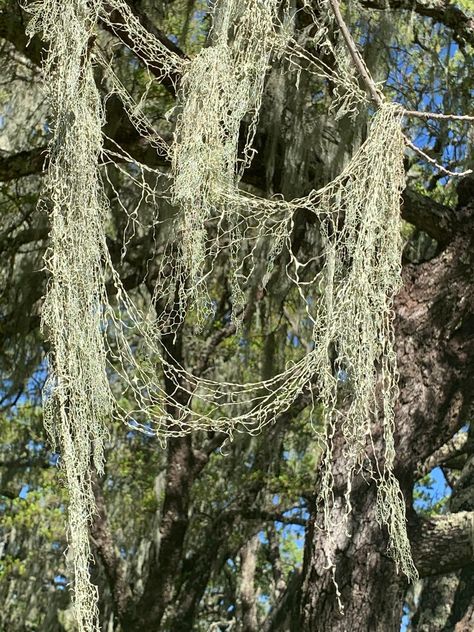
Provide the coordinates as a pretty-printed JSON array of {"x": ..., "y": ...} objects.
[
  {"x": 357, "y": 215},
  {"x": 77, "y": 397}
]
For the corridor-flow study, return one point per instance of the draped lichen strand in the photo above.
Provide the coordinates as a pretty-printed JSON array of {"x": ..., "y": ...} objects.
[
  {"x": 363, "y": 266},
  {"x": 77, "y": 395},
  {"x": 220, "y": 87}
]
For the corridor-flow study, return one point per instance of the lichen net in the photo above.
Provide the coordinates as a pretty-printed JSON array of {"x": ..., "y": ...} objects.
[{"x": 96, "y": 339}]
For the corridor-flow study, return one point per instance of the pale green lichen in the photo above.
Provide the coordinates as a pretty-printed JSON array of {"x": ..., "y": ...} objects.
[{"x": 357, "y": 215}]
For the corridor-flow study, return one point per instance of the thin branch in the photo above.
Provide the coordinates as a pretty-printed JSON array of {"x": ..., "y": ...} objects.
[
  {"x": 432, "y": 161},
  {"x": 356, "y": 56},
  {"x": 456, "y": 446},
  {"x": 439, "y": 116},
  {"x": 118, "y": 26},
  {"x": 273, "y": 516},
  {"x": 23, "y": 163}
]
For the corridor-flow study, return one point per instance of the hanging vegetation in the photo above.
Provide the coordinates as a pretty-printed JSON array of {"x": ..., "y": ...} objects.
[
  {"x": 90, "y": 336},
  {"x": 77, "y": 397}
]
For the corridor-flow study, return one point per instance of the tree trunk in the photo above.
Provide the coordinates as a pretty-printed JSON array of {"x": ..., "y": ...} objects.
[
  {"x": 435, "y": 345},
  {"x": 369, "y": 593},
  {"x": 248, "y": 602}
]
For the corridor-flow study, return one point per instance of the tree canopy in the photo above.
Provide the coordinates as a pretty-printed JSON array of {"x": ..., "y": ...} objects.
[{"x": 236, "y": 315}]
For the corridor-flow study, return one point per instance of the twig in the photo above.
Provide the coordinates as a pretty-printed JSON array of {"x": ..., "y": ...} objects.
[
  {"x": 356, "y": 56},
  {"x": 432, "y": 161},
  {"x": 438, "y": 115}
]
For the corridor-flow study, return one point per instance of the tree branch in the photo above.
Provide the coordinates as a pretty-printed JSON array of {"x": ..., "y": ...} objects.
[
  {"x": 35, "y": 161},
  {"x": 112, "y": 563},
  {"x": 378, "y": 98},
  {"x": 442, "y": 11},
  {"x": 273, "y": 515},
  {"x": 435, "y": 219},
  {"x": 442, "y": 544},
  {"x": 24, "y": 163},
  {"x": 117, "y": 24},
  {"x": 452, "y": 448},
  {"x": 12, "y": 29},
  {"x": 356, "y": 56}
]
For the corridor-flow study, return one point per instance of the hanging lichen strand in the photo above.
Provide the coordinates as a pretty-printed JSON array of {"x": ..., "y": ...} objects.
[
  {"x": 353, "y": 332},
  {"x": 220, "y": 87},
  {"x": 77, "y": 398}
]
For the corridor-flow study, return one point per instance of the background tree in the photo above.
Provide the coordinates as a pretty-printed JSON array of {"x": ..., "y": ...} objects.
[{"x": 205, "y": 532}]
